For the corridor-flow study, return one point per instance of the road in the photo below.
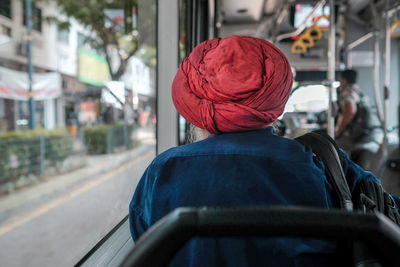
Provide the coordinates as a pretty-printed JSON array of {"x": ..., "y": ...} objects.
[{"x": 62, "y": 229}]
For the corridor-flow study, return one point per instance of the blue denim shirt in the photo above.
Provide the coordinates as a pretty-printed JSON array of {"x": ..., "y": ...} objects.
[{"x": 240, "y": 169}]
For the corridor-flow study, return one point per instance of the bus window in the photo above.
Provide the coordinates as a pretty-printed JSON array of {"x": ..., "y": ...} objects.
[
  {"x": 74, "y": 146},
  {"x": 308, "y": 98}
]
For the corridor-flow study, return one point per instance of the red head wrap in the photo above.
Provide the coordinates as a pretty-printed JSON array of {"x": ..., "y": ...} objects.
[{"x": 238, "y": 83}]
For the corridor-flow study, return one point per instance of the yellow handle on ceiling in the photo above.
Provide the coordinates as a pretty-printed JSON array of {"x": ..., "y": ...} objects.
[
  {"x": 307, "y": 40},
  {"x": 298, "y": 47},
  {"x": 318, "y": 19},
  {"x": 314, "y": 32},
  {"x": 395, "y": 25}
]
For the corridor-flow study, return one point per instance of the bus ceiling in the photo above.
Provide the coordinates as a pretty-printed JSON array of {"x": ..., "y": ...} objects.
[
  {"x": 284, "y": 22},
  {"x": 269, "y": 18}
]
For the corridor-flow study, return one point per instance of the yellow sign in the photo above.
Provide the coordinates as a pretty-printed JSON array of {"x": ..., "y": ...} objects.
[{"x": 93, "y": 69}]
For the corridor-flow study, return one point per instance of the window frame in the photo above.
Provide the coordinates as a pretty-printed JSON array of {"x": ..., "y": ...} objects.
[{"x": 37, "y": 19}]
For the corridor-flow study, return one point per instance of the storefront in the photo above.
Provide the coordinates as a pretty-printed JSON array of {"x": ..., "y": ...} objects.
[
  {"x": 94, "y": 74},
  {"x": 14, "y": 96}
]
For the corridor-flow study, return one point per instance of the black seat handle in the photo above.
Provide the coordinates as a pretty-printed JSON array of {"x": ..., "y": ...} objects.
[{"x": 164, "y": 239}]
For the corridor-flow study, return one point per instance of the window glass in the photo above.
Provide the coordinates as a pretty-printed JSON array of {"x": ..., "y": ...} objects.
[
  {"x": 5, "y": 8},
  {"x": 182, "y": 30},
  {"x": 81, "y": 40},
  {"x": 6, "y": 31},
  {"x": 36, "y": 18},
  {"x": 302, "y": 11},
  {"x": 183, "y": 125},
  {"x": 63, "y": 35},
  {"x": 311, "y": 98},
  {"x": 66, "y": 183}
]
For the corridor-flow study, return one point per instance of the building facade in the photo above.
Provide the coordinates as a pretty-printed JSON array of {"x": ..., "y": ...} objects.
[{"x": 63, "y": 61}]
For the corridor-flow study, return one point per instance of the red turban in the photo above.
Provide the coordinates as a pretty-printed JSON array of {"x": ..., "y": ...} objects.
[{"x": 232, "y": 84}]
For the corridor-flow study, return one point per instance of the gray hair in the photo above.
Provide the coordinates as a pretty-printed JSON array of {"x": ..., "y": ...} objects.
[{"x": 195, "y": 134}]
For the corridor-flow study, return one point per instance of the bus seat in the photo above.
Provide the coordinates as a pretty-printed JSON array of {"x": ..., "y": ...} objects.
[{"x": 168, "y": 235}]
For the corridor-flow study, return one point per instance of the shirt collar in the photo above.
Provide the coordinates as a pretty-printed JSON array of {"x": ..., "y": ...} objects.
[{"x": 269, "y": 130}]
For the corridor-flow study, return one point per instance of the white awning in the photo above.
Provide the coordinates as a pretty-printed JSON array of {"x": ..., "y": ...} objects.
[{"x": 14, "y": 85}]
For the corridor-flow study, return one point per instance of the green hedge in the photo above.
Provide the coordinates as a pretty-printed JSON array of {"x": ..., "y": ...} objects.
[
  {"x": 25, "y": 153},
  {"x": 103, "y": 139},
  {"x": 33, "y": 133}
]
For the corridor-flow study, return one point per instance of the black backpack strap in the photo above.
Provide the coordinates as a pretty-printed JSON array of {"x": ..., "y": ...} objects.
[{"x": 327, "y": 150}]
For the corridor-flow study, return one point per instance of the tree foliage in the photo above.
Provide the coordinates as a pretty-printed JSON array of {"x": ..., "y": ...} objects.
[{"x": 110, "y": 39}]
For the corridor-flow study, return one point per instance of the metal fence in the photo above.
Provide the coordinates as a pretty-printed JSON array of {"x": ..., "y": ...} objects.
[
  {"x": 119, "y": 138},
  {"x": 25, "y": 160},
  {"x": 107, "y": 139}
]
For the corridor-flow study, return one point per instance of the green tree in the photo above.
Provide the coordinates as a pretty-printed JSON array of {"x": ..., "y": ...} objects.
[{"x": 108, "y": 35}]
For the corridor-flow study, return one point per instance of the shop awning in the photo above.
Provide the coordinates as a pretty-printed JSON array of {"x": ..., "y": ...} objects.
[{"x": 14, "y": 85}]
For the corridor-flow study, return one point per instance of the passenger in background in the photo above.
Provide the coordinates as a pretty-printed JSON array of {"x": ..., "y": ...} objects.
[
  {"x": 356, "y": 124},
  {"x": 234, "y": 88}
]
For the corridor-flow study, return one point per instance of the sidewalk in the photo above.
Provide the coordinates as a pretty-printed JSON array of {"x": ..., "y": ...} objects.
[{"x": 96, "y": 165}]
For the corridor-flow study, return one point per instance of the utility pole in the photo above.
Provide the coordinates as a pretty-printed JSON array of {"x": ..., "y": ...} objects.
[{"x": 29, "y": 22}]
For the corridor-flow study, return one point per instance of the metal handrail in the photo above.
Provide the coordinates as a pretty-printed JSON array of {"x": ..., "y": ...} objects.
[{"x": 303, "y": 25}]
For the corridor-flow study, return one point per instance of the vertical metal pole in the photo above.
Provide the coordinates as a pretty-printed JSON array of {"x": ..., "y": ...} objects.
[
  {"x": 217, "y": 25},
  {"x": 20, "y": 110},
  {"x": 196, "y": 10},
  {"x": 28, "y": 6},
  {"x": 349, "y": 62},
  {"x": 211, "y": 18},
  {"x": 386, "y": 71},
  {"x": 204, "y": 20},
  {"x": 331, "y": 66},
  {"x": 42, "y": 145},
  {"x": 377, "y": 66},
  {"x": 189, "y": 27},
  {"x": 125, "y": 129},
  {"x": 109, "y": 140},
  {"x": 167, "y": 64},
  {"x": 82, "y": 145}
]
